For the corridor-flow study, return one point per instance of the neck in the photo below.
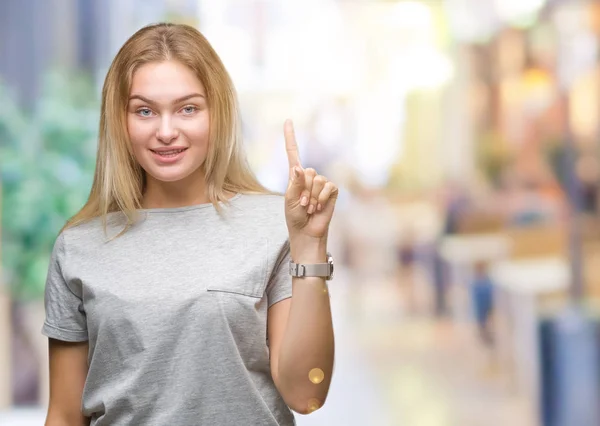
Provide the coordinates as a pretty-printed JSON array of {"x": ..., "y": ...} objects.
[{"x": 186, "y": 192}]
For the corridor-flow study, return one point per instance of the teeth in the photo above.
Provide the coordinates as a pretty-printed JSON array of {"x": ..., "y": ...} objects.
[{"x": 169, "y": 152}]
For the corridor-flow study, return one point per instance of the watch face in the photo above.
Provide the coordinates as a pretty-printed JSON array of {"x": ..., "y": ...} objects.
[{"x": 331, "y": 266}]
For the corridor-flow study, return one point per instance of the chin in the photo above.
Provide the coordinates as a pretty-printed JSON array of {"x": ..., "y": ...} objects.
[
  {"x": 175, "y": 174},
  {"x": 170, "y": 176}
]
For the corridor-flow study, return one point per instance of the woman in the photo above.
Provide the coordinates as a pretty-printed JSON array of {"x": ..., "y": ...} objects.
[{"x": 169, "y": 298}]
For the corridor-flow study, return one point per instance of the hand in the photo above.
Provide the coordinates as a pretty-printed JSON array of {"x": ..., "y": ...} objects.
[{"x": 309, "y": 199}]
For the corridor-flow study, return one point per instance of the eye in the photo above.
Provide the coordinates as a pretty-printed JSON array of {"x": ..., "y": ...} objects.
[
  {"x": 190, "y": 109},
  {"x": 144, "y": 112}
]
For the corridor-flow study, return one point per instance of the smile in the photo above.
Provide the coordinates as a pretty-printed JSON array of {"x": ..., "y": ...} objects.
[{"x": 168, "y": 155}]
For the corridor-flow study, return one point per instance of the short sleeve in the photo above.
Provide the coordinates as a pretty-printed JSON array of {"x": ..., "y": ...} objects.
[
  {"x": 279, "y": 286},
  {"x": 65, "y": 318}
]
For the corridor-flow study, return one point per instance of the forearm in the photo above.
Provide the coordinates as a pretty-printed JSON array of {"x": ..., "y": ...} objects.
[{"x": 307, "y": 351}]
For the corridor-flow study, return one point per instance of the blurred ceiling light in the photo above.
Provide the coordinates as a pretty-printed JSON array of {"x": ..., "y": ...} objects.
[
  {"x": 471, "y": 20},
  {"x": 537, "y": 89},
  {"x": 410, "y": 14},
  {"x": 314, "y": 52},
  {"x": 518, "y": 11}
]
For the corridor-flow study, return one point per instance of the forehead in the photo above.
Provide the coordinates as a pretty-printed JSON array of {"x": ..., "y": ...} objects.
[{"x": 164, "y": 81}]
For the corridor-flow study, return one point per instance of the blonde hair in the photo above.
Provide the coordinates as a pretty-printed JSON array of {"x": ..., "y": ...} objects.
[{"x": 119, "y": 179}]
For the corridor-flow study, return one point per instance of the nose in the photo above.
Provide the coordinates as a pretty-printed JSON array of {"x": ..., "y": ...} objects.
[{"x": 167, "y": 132}]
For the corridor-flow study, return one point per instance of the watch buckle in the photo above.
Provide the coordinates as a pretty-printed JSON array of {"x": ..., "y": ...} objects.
[{"x": 295, "y": 270}]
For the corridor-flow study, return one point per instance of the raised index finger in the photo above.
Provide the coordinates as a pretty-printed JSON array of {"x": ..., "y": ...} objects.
[{"x": 291, "y": 146}]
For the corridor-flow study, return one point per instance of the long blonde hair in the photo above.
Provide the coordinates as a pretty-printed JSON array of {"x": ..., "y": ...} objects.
[{"x": 119, "y": 179}]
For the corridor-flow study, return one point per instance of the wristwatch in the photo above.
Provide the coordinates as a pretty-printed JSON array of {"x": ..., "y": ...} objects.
[{"x": 323, "y": 270}]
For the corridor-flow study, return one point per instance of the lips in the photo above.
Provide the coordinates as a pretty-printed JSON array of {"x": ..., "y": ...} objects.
[
  {"x": 168, "y": 155},
  {"x": 168, "y": 152}
]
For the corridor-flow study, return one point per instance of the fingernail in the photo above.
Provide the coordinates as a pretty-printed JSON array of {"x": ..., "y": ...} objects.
[
  {"x": 311, "y": 208},
  {"x": 296, "y": 172},
  {"x": 304, "y": 201},
  {"x": 319, "y": 207}
]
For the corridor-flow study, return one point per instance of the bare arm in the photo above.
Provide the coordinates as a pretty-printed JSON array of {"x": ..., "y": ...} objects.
[
  {"x": 68, "y": 371},
  {"x": 301, "y": 329},
  {"x": 302, "y": 340}
]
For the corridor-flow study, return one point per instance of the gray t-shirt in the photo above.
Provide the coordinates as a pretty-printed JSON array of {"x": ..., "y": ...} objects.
[{"x": 175, "y": 312}]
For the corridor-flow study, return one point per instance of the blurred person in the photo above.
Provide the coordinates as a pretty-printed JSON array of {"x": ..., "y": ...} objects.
[
  {"x": 456, "y": 204},
  {"x": 406, "y": 259},
  {"x": 406, "y": 252},
  {"x": 172, "y": 297},
  {"x": 482, "y": 292},
  {"x": 440, "y": 272}
]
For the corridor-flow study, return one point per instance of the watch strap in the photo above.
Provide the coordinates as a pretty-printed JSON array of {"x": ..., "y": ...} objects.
[{"x": 323, "y": 270}]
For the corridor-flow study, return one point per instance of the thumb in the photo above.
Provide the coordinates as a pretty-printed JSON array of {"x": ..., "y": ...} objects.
[{"x": 296, "y": 184}]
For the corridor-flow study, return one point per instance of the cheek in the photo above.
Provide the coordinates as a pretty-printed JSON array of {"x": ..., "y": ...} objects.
[
  {"x": 197, "y": 132},
  {"x": 139, "y": 133}
]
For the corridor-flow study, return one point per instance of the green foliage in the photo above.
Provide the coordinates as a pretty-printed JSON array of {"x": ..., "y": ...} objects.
[
  {"x": 47, "y": 159},
  {"x": 492, "y": 156}
]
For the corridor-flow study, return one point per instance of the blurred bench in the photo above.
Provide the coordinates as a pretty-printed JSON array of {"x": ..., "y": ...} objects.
[{"x": 479, "y": 222}]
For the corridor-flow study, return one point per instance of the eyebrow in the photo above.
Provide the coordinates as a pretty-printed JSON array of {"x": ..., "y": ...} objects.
[{"x": 176, "y": 101}]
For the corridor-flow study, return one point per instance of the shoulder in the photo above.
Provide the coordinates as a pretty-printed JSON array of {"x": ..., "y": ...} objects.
[
  {"x": 68, "y": 244},
  {"x": 91, "y": 233}
]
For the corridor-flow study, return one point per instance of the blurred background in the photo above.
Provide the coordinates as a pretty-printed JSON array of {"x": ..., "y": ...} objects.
[{"x": 464, "y": 136}]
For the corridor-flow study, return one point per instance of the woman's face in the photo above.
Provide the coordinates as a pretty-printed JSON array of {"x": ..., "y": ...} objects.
[{"x": 167, "y": 121}]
